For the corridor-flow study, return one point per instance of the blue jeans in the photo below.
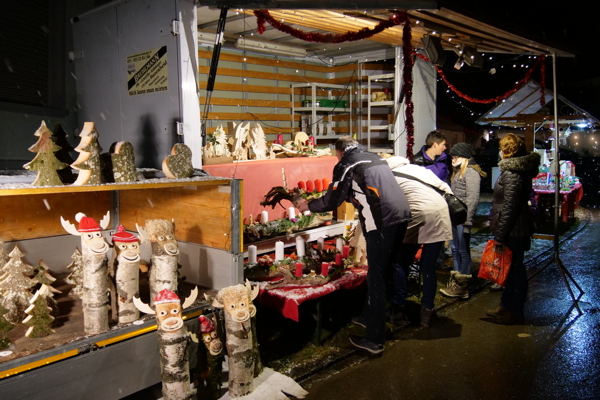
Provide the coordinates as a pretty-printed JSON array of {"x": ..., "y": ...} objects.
[
  {"x": 383, "y": 248},
  {"x": 461, "y": 250},
  {"x": 429, "y": 256},
  {"x": 515, "y": 290}
]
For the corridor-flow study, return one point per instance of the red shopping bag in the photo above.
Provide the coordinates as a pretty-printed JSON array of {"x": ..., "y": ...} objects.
[{"x": 494, "y": 266}]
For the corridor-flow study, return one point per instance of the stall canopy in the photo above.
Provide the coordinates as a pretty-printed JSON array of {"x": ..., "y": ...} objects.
[{"x": 450, "y": 26}]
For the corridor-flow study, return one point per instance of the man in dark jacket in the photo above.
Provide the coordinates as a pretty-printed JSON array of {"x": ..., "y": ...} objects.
[
  {"x": 432, "y": 156},
  {"x": 365, "y": 180},
  {"x": 512, "y": 224}
]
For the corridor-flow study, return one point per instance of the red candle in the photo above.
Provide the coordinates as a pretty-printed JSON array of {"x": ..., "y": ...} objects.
[
  {"x": 345, "y": 251},
  {"x": 325, "y": 183},
  {"x": 279, "y": 139},
  {"x": 310, "y": 187},
  {"x": 312, "y": 140},
  {"x": 299, "y": 269},
  {"x": 318, "y": 185},
  {"x": 325, "y": 268},
  {"x": 301, "y": 185},
  {"x": 338, "y": 259}
]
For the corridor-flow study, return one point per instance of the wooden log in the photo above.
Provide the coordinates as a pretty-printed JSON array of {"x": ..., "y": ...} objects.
[
  {"x": 95, "y": 290},
  {"x": 174, "y": 364},
  {"x": 241, "y": 356}
]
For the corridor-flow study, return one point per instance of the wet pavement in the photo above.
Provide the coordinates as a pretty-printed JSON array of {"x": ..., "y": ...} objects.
[{"x": 554, "y": 355}]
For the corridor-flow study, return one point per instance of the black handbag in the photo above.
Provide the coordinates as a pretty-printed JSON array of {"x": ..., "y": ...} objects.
[{"x": 456, "y": 207}]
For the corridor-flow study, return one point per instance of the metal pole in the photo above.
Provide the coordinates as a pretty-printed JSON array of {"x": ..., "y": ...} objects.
[{"x": 556, "y": 158}]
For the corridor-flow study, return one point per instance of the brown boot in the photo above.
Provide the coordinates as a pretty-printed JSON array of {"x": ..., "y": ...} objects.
[
  {"x": 426, "y": 316},
  {"x": 458, "y": 286},
  {"x": 497, "y": 312}
]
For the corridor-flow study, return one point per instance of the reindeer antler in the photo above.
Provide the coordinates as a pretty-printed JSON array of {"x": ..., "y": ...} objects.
[
  {"x": 105, "y": 220},
  {"x": 69, "y": 227}
]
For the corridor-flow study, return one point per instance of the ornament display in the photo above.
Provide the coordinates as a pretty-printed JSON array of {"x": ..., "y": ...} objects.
[
  {"x": 173, "y": 340},
  {"x": 45, "y": 162},
  {"x": 179, "y": 164},
  {"x": 94, "y": 249},
  {"x": 165, "y": 255}
]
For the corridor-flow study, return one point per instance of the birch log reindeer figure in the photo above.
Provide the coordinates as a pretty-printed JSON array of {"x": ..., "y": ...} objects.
[
  {"x": 94, "y": 249},
  {"x": 165, "y": 255},
  {"x": 173, "y": 341},
  {"x": 126, "y": 274}
]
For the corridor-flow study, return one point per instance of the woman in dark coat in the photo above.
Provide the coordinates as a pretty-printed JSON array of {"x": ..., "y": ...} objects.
[{"x": 512, "y": 224}]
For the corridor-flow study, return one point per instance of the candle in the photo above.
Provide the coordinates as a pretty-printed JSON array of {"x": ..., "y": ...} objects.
[
  {"x": 345, "y": 251},
  {"x": 324, "y": 268},
  {"x": 339, "y": 244},
  {"x": 300, "y": 248},
  {"x": 299, "y": 270},
  {"x": 338, "y": 259},
  {"x": 291, "y": 212},
  {"x": 279, "y": 139},
  {"x": 320, "y": 243},
  {"x": 278, "y": 251},
  {"x": 264, "y": 217},
  {"x": 252, "y": 254}
]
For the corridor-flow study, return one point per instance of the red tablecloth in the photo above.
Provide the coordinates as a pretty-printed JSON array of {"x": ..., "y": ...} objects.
[
  {"x": 287, "y": 299},
  {"x": 261, "y": 175},
  {"x": 570, "y": 200}
]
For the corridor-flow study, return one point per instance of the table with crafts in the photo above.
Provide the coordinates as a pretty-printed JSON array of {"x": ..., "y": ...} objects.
[{"x": 571, "y": 192}]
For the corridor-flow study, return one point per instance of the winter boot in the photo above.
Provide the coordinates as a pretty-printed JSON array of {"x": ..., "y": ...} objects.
[
  {"x": 426, "y": 316},
  {"x": 458, "y": 286},
  {"x": 397, "y": 314}
]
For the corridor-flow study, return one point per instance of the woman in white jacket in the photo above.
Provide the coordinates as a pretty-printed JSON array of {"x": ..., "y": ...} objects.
[{"x": 430, "y": 227}]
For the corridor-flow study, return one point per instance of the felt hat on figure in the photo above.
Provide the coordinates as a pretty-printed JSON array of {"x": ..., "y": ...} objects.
[
  {"x": 461, "y": 150},
  {"x": 86, "y": 224},
  {"x": 206, "y": 325},
  {"x": 122, "y": 236},
  {"x": 166, "y": 296}
]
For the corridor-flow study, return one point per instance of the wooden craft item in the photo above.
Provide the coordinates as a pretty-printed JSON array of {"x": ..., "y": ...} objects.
[
  {"x": 59, "y": 137},
  {"x": 126, "y": 274},
  {"x": 5, "y": 327},
  {"x": 258, "y": 142},
  {"x": 75, "y": 278},
  {"x": 39, "y": 314},
  {"x": 88, "y": 163},
  {"x": 240, "y": 141},
  {"x": 94, "y": 250},
  {"x": 123, "y": 162},
  {"x": 45, "y": 162},
  {"x": 173, "y": 340},
  {"x": 15, "y": 285},
  {"x": 179, "y": 164},
  {"x": 165, "y": 255}
]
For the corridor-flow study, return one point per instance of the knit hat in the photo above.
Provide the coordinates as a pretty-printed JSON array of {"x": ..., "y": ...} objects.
[
  {"x": 86, "y": 224},
  {"x": 166, "y": 296},
  {"x": 206, "y": 325},
  {"x": 122, "y": 236},
  {"x": 461, "y": 150}
]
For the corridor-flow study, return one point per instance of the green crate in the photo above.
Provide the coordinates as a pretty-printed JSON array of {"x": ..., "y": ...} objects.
[{"x": 332, "y": 103}]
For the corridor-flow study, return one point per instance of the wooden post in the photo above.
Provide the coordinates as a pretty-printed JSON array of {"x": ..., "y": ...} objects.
[{"x": 127, "y": 274}]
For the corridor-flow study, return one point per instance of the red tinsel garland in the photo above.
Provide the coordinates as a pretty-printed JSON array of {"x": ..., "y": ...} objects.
[
  {"x": 538, "y": 63},
  {"x": 263, "y": 16},
  {"x": 543, "y": 82},
  {"x": 407, "y": 87}
]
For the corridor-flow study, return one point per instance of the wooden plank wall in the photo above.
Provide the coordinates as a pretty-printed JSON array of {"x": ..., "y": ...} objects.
[{"x": 258, "y": 88}]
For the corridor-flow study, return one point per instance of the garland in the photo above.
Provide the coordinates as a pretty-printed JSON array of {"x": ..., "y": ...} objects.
[
  {"x": 263, "y": 16},
  {"x": 407, "y": 87},
  {"x": 525, "y": 79}
]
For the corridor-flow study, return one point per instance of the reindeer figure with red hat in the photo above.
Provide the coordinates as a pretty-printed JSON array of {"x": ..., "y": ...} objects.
[
  {"x": 94, "y": 249},
  {"x": 126, "y": 274},
  {"x": 173, "y": 341}
]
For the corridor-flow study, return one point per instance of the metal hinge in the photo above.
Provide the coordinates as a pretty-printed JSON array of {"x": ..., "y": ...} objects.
[
  {"x": 179, "y": 128},
  {"x": 175, "y": 27}
]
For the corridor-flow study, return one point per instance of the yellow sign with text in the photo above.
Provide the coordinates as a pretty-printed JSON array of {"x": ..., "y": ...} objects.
[{"x": 147, "y": 72}]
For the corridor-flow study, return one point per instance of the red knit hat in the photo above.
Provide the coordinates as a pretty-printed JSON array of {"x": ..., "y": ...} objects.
[
  {"x": 86, "y": 224},
  {"x": 206, "y": 325},
  {"x": 166, "y": 296},
  {"x": 122, "y": 236}
]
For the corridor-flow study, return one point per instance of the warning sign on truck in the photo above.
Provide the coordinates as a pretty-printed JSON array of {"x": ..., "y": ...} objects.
[{"x": 147, "y": 72}]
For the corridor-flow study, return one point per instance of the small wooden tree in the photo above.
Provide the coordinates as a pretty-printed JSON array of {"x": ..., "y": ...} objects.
[
  {"x": 45, "y": 162},
  {"x": 75, "y": 278},
  {"x": 88, "y": 163},
  {"x": 5, "y": 327},
  {"x": 15, "y": 285},
  {"x": 3, "y": 256},
  {"x": 39, "y": 314},
  {"x": 59, "y": 137},
  {"x": 123, "y": 162},
  {"x": 258, "y": 142}
]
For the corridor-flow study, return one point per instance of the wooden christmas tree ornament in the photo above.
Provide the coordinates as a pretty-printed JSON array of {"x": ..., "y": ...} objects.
[
  {"x": 179, "y": 164},
  {"x": 88, "y": 163},
  {"x": 39, "y": 314},
  {"x": 173, "y": 340},
  {"x": 15, "y": 286},
  {"x": 126, "y": 274},
  {"x": 45, "y": 162},
  {"x": 165, "y": 255},
  {"x": 95, "y": 262},
  {"x": 75, "y": 278},
  {"x": 123, "y": 162}
]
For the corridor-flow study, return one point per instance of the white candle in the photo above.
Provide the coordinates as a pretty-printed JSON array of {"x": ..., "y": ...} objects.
[
  {"x": 307, "y": 212},
  {"x": 339, "y": 244},
  {"x": 320, "y": 243},
  {"x": 278, "y": 251},
  {"x": 291, "y": 212},
  {"x": 252, "y": 254},
  {"x": 264, "y": 217},
  {"x": 300, "y": 249}
]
